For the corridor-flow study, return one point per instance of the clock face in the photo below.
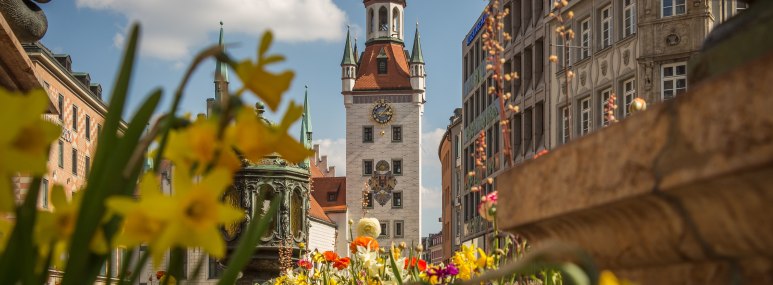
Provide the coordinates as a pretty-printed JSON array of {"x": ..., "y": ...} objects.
[{"x": 382, "y": 112}]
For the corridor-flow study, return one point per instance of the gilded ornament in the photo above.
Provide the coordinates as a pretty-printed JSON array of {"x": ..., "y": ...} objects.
[{"x": 637, "y": 105}]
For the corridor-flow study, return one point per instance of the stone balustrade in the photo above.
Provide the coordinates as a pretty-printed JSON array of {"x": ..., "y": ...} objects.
[{"x": 679, "y": 194}]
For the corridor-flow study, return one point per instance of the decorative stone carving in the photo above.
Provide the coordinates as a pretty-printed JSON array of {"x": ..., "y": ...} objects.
[
  {"x": 604, "y": 67},
  {"x": 672, "y": 39},
  {"x": 626, "y": 56},
  {"x": 648, "y": 76},
  {"x": 25, "y": 18},
  {"x": 583, "y": 77}
]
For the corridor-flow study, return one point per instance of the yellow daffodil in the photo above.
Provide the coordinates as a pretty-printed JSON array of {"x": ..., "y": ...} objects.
[
  {"x": 255, "y": 138},
  {"x": 197, "y": 146},
  {"x": 608, "y": 278},
  {"x": 24, "y": 140},
  {"x": 197, "y": 212},
  {"x": 266, "y": 85},
  {"x": 143, "y": 221},
  {"x": 54, "y": 229}
]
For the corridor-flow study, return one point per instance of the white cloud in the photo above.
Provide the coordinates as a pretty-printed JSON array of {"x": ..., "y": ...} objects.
[
  {"x": 430, "y": 141},
  {"x": 431, "y": 197},
  {"x": 335, "y": 149},
  {"x": 171, "y": 28},
  {"x": 118, "y": 40}
]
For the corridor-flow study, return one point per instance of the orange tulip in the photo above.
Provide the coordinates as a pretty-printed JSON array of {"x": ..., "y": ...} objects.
[{"x": 363, "y": 241}]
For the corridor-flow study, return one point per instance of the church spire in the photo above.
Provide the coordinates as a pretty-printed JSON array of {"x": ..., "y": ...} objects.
[
  {"x": 348, "y": 54},
  {"x": 416, "y": 56},
  {"x": 306, "y": 131},
  {"x": 221, "y": 72}
]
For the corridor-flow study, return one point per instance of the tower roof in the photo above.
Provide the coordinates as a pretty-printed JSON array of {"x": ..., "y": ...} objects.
[
  {"x": 416, "y": 56},
  {"x": 306, "y": 121},
  {"x": 348, "y": 58},
  {"x": 397, "y": 77}
]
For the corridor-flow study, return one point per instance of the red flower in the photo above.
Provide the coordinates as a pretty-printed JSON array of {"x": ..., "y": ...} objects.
[
  {"x": 305, "y": 264},
  {"x": 364, "y": 241},
  {"x": 414, "y": 262},
  {"x": 160, "y": 274},
  {"x": 330, "y": 256},
  {"x": 341, "y": 263},
  {"x": 541, "y": 153}
]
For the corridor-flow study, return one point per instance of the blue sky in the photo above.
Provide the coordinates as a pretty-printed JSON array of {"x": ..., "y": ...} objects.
[{"x": 310, "y": 33}]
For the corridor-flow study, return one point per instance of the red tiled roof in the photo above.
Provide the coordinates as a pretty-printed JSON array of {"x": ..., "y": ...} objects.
[
  {"x": 316, "y": 211},
  {"x": 314, "y": 169},
  {"x": 335, "y": 209},
  {"x": 323, "y": 185},
  {"x": 397, "y": 76}
]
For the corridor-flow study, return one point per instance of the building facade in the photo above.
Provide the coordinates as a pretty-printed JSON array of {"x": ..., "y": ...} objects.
[
  {"x": 449, "y": 152},
  {"x": 630, "y": 48},
  {"x": 633, "y": 49},
  {"x": 384, "y": 95}
]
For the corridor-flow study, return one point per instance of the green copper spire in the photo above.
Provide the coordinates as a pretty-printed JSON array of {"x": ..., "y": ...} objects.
[
  {"x": 348, "y": 54},
  {"x": 306, "y": 126},
  {"x": 416, "y": 56},
  {"x": 221, "y": 85}
]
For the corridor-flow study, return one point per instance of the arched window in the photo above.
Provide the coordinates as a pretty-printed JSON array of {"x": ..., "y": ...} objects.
[
  {"x": 371, "y": 21},
  {"x": 396, "y": 20},
  {"x": 296, "y": 213},
  {"x": 382, "y": 19},
  {"x": 263, "y": 206}
]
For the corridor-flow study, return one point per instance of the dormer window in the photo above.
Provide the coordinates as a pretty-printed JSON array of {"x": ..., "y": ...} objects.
[
  {"x": 381, "y": 61},
  {"x": 382, "y": 66}
]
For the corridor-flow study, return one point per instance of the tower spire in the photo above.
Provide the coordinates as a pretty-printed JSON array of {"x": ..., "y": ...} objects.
[
  {"x": 416, "y": 56},
  {"x": 221, "y": 72},
  {"x": 306, "y": 131},
  {"x": 348, "y": 58}
]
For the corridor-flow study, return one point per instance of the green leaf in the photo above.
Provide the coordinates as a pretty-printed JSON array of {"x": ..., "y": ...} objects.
[
  {"x": 92, "y": 207},
  {"x": 395, "y": 271},
  {"x": 241, "y": 256},
  {"x": 571, "y": 274},
  {"x": 23, "y": 254}
]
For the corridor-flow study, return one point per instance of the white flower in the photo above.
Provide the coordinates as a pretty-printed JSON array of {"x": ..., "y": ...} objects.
[{"x": 369, "y": 227}]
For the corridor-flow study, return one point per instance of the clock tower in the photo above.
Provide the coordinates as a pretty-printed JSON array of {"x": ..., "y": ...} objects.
[{"x": 384, "y": 95}]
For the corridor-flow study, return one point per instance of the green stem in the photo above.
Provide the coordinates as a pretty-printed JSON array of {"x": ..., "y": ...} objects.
[
  {"x": 138, "y": 267},
  {"x": 178, "y": 97},
  {"x": 127, "y": 259},
  {"x": 199, "y": 265}
]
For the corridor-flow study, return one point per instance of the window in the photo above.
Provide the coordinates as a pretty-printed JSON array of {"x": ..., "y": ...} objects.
[
  {"x": 629, "y": 17},
  {"x": 74, "y": 118},
  {"x": 384, "y": 230},
  {"x": 603, "y": 99},
  {"x": 74, "y": 162},
  {"x": 565, "y": 125},
  {"x": 214, "y": 271},
  {"x": 397, "y": 166},
  {"x": 674, "y": 80},
  {"x": 397, "y": 133},
  {"x": 398, "y": 229},
  {"x": 61, "y": 154},
  {"x": 87, "y": 166},
  {"x": 740, "y": 6},
  {"x": 517, "y": 136},
  {"x": 367, "y": 202},
  {"x": 372, "y": 22},
  {"x": 44, "y": 193},
  {"x": 61, "y": 107},
  {"x": 367, "y": 167},
  {"x": 88, "y": 128},
  {"x": 606, "y": 27},
  {"x": 382, "y": 66},
  {"x": 367, "y": 134},
  {"x": 585, "y": 38},
  {"x": 673, "y": 7},
  {"x": 585, "y": 116},
  {"x": 332, "y": 196},
  {"x": 397, "y": 200},
  {"x": 629, "y": 93},
  {"x": 382, "y": 19},
  {"x": 395, "y": 20}
]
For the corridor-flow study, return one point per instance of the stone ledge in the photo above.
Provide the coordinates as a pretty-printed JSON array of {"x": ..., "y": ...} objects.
[{"x": 689, "y": 181}]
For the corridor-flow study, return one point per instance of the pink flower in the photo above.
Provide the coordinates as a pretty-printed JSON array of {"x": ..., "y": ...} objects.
[{"x": 488, "y": 206}]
